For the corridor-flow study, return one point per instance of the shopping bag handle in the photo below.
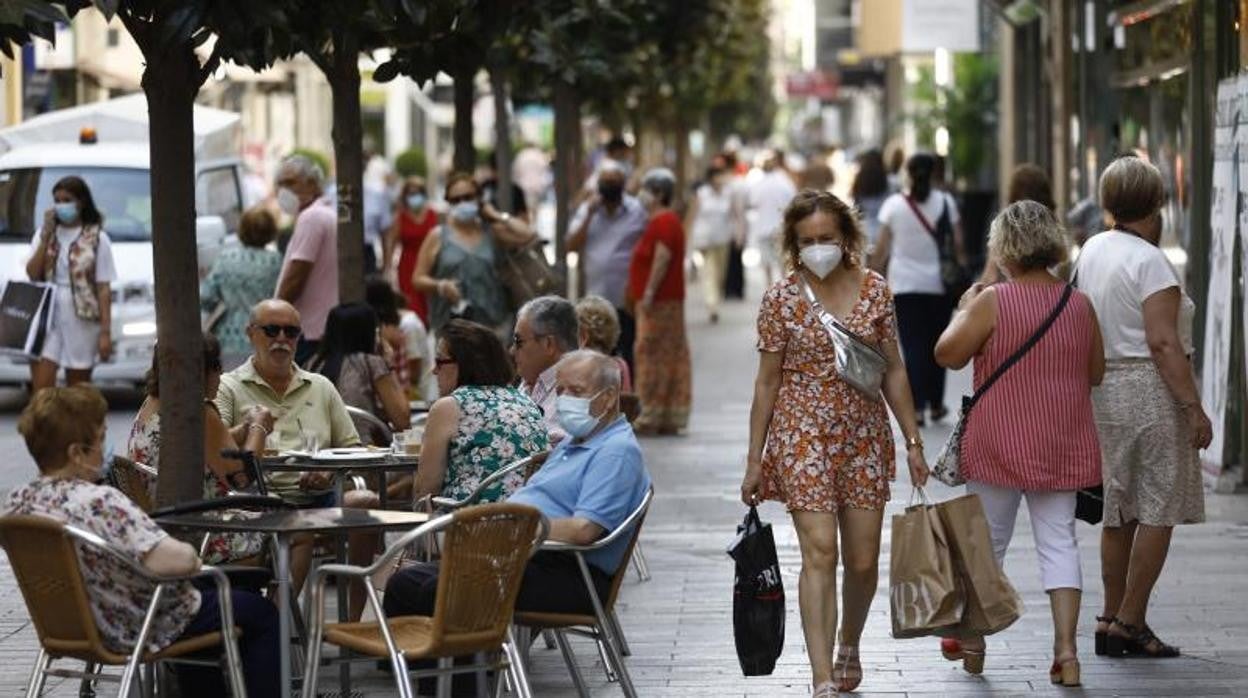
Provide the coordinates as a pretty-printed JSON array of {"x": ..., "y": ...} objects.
[
  {"x": 922, "y": 496},
  {"x": 751, "y": 517}
]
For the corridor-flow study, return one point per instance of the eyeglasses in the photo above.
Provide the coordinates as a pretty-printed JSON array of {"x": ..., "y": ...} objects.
[
  {"x": 518, "y": 342},
  {"x": 271, "y": 331},
  {"x": 452, "y": 200}
]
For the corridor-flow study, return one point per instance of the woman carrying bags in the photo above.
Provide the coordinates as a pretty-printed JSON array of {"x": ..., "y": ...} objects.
[
  {"x": 1031, "y": 433},
  {"x": 819, "y": 442}
]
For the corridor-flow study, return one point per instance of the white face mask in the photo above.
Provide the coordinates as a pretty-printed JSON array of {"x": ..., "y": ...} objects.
[
  {"x": 821, "y": 259},
  {"x": 574, "y": 415},
  {"x": 288, "y": 201}
]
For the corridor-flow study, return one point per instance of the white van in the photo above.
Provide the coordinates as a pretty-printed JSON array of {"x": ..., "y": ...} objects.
[{"x": 106, "y": 145}]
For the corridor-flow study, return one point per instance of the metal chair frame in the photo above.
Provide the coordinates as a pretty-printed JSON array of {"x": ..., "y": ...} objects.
[
  {"x": 137, "y": 656},
  {"x": 511, "y": 659},
  {"x": 606, "y": 631},
  {"x": 373, "y": 421}
]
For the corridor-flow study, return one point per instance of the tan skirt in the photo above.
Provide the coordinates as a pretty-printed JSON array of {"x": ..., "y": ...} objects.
[{"x": 1151, "y": 471}]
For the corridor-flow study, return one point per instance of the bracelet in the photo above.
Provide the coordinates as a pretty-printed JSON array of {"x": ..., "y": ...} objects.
[
  {"x": 255, "y": 425},
  {"x": 913, "y": 441}
]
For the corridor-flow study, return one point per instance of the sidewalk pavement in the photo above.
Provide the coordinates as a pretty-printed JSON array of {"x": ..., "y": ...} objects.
[{"x": 680, "y": 624}]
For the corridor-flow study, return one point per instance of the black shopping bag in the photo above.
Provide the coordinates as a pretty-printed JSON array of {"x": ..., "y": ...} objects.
[
  {"x": 757, "y": 597},
  {"x": 24, "y": 311}
]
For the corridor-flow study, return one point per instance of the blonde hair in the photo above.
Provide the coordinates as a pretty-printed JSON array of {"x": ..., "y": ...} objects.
[
  {"x": 57, "y": 418},
  {"x": 1027, "y": 235},
  {"x": 1131, "y": 189},
  {"x": 599, "y": 321}
]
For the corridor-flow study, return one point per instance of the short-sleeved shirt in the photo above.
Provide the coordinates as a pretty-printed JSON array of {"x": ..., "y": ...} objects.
[
  {"x": 315, "y": 240},
  {"x": 118, "y": 595},
  {"x": 768, "y": 196},
  {"x": 609, "y": 244},
  {"x": 1118, "y": 271},
  {"x": 240, "y": 278},
  {"x": 105, "y": 267},
  {"x": 914, "y": 259},
  {"x": 667, "y": 229},
  {"x": 497, "y": 426},
  {"x": 311, "y": 403},
  {"x": 543, "y": 395},
  {"x": 601, "y": 479}
]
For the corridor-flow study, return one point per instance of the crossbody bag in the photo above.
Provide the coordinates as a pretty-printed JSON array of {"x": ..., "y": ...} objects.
[
  {"x": 857, "y": 362},
  {"x": 948, "y": 467},
  {"x": 952, "y": 275}
]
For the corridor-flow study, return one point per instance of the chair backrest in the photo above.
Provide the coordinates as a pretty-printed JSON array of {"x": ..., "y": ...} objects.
[
  {"x": 486, "y": 550},
  {"x": 621, "y": 571},
  {"x": 373, "y": 431},
  {"x": 45, "y": 561},
  {"x": 135, "y": 480},
  {"x": 251, "y": 466}
]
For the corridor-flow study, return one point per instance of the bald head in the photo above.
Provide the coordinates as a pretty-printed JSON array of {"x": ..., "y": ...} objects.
[
  {"x": 598, "y": 371},
  {"x": 272, "y": 307}
]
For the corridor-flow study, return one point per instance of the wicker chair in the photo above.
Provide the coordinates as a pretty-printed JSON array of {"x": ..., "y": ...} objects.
[
  {"x": 602, "y": 626},
  {"x": 45, "y": 561},
  {"x": 135, "y": 480},
  {"x": 487, "y": 548}
]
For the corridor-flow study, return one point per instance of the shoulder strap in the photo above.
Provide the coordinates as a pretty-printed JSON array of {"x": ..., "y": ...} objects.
[
  {"x": 919, "y": 214},
  {"x": 1022, "y": 351}
]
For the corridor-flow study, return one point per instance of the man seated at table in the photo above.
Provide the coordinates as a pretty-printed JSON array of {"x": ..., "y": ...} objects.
[
  {"x": 64, "y": 432},
  {"x": 299, "y": 403},
  {"x": 588, "y": 486}
]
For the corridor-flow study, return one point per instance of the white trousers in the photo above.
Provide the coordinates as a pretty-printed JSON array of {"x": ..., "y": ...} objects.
[{"x": 1052, "y": 525}]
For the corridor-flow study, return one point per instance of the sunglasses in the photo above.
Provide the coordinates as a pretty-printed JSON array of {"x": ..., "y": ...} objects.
[
  {"x": 452, "y": 200},
  {"x": 271, "y": 331}
]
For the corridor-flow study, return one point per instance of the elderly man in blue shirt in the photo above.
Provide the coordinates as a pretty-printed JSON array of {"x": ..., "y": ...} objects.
[{"x": 588, "y": 486}]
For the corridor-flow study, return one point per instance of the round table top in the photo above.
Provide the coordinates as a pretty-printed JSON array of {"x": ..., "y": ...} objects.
[
  {"x": 326, "y": 520},
  {"x": 383, "y": 461}
]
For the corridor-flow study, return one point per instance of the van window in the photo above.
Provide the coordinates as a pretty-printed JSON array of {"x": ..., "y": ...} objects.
[
  {"x": 123, "y": 196},
  {"x": 217, "y": 193}
]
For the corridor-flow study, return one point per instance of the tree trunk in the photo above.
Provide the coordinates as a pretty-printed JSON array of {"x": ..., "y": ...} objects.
[
  {"x": 465, "y": 153},
  {"x": 348, "y": 135},
  {"x": 681, "y": 133},
  {"x": 171, "y": 82},
  {"x": 502, "y": 138},
  {"x": 567, "y": 133}
]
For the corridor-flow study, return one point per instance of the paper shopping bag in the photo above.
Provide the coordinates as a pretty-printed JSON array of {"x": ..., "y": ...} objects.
[
  {"x": 992, "y": 604},
  {"x": 757, "y": 598},
  {"x": 923, "y": 588}
]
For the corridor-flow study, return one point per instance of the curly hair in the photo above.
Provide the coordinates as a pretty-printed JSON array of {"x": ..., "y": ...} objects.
[
  {"x": 807, "y": 203},
  {"x": 599, "y": 322}
]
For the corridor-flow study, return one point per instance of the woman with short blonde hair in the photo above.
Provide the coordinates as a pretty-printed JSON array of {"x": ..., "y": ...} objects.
[
  {"x": 599, "y": 324},
  {"x": 1148, "y": 411}
]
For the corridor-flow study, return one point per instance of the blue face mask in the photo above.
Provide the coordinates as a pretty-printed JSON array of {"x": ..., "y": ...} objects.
[
  {"x": 465, "y": 211},
  {"x": 66, "y": 212},
  {"x": 574, "y": 415},
  {"x": 415, "y": 201}
]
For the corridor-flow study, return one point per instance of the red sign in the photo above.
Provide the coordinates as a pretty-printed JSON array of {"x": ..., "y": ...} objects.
[{"x": 812, "y": 84}]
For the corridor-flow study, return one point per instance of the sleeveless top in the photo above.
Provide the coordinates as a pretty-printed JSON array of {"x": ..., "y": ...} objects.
[
  {"x": 1034, "y": 429},
  {"x": 478, "y": 283},
  {"x": 497, "y": 426}
]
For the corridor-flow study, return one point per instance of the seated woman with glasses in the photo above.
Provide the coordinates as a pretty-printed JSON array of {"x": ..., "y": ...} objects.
[
  {"x": 483, "y": 423},
  {"x": 64, "y": 432},
  {"x": 456, "y": 265}
]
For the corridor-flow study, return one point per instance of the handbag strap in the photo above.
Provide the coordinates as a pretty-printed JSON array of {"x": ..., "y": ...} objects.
[
  {"x": 927, "y": 225},
  {"x": 1022, "y": 351},
  {"x": 830, "y": 322}
]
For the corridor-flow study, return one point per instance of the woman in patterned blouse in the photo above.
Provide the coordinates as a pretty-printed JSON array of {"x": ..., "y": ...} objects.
[
  {"x": 482, "y": 424},
  {"x": 241, "y": 277},
  {"x": 64, "y": 431}
]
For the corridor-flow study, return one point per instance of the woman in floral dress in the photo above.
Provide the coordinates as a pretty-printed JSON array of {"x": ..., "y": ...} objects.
[
  {"x": 817, "y": 443},
  {"x": 482, "y": 424}
]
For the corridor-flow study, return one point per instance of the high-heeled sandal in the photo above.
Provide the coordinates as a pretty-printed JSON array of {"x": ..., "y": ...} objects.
[
  {"x": 847, "y": 669},
  {"x": 951, "y": 649},
  {"x": 973, "y": 661},
  {"x": 1065, "y": 672},
  {"x": 827, "y": 689},
  {"x": 1139, "y": 642},
  {"x": 1100, "y": 635}
]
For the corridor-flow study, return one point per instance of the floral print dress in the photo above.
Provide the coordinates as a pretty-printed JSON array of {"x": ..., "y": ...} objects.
[
  {"x": 497, "y": 426},
  {"x": 828, "y": 445},
  {"x": 144, "y": 447}
]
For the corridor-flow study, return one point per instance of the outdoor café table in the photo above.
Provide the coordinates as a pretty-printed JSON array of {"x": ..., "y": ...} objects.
[
  {"x": 384, "y": 463},
  {"x": 284, "y": 525}
]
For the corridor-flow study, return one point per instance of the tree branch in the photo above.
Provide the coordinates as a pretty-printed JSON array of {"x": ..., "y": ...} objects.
[
  {"x": 210, "y": 65},
  {"x": 317, "y": 56}
]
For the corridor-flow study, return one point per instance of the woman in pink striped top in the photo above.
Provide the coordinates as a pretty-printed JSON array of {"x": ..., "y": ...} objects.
[{"x": 1033, "y": 433}]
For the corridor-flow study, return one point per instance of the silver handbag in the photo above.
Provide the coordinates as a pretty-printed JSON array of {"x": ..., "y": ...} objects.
[{"x": 858, "y": 363}]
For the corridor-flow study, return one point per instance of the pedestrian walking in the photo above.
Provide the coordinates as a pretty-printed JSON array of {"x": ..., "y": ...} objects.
[
  {"x": 819, "y": 444},
  {"x": 309, "y": 276},
  {"x": 73, "y": 252},
  {"x": 1028, "y": 182},
  {"x": 869, "y": 191},
  {"x": 1148, "y": 410},
  {"x": 241, "y": 277},
  {"x": 714, "y": 219},
  {"x": 1032, "y": 434},
  {"x": 456, "y": 265},
  {"x": 413, "y": 221},
  {"x": 604, "y": 232},
  {"x": 734, "y": 275},
  {"x": 768, "y": 196},
  {"x": 908, "y": 249},
  {"x": 656, "y": 287}
]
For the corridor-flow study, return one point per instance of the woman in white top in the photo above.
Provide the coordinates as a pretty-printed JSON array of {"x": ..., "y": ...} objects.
[
  {"x": 1148, "y": 412},
  {"x": 74, "y": 253},
  {"x": 908, "y": 249},
  {"x": 715, "y": 219}
]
